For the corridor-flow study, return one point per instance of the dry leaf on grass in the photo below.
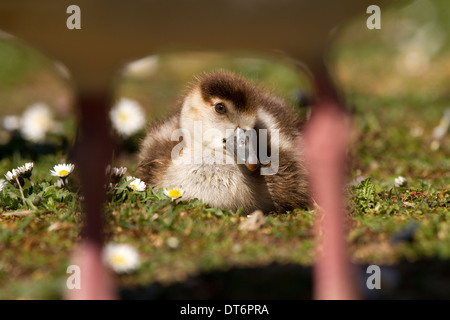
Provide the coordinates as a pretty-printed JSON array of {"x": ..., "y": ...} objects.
[{"x": 253, "y": 222}]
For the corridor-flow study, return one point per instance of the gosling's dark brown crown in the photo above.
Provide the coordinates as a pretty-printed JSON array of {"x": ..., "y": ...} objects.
[{"x": 229, "y": 87}]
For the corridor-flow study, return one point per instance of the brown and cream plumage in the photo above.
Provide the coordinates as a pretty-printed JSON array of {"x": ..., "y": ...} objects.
[{"x": 223, "y": 102}]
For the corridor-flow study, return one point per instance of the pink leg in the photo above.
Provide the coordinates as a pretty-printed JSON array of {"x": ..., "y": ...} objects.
[
  {"x": 92, "y": 155},
  {"x": 96, "y": 282},
  {"x": 326, "y": 139}
]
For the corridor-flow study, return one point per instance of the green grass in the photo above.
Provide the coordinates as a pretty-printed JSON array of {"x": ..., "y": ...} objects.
[{"x": 213, "y": 257}]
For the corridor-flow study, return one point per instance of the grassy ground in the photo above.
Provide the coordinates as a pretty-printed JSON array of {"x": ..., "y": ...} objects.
[{"x": 189, "y": 250}]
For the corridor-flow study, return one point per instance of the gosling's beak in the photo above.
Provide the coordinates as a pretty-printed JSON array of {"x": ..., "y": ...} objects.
[{"x": 243, "y": 145}]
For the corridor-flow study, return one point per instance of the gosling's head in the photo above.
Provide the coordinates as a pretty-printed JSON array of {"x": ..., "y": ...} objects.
[{"x": 221, "y": 102}]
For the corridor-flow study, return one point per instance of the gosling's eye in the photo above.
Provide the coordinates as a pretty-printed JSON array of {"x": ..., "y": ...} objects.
[{"x": 220, "y": 108}]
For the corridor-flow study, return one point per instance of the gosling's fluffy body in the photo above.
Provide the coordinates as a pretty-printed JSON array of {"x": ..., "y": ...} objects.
[{"x": 228, "y": 185}]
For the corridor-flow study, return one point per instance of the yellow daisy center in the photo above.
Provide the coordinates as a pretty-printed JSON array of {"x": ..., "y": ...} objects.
[
  {"x": 133, "y": 186},
  {"x": 42, "y": 122},
  {"x": 63, "y": 172},
  {"x": 174, "y": 193},
  {"x": 118, "y": 259},
  {"x": 123, "y": 117}
]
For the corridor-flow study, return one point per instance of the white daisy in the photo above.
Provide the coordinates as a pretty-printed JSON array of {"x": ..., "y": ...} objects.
[
  {"x": 136, "y": 184},
  {"x": 3, "y": 184},
  {"x": 174, "y": 193},
  {"x": 416, "y": 132},
  {"x": 122, "y": 258},
  {"x": 59, "y": 183},
  {"x": 26, "y": 170},
  {"x": 11, "y": 123},
  {"x": 62, "y": 170},
  {"x": 127, "y": 117},
  {"x": 142, "y": 68},
  {"x": 355, "y": 181},
  {"x": 116, "y": 173},
  {"x": 12, "y": 175},
  {"x": 173, "y": 242},
  {"x": 119, "y": 171},
  {"x": 444, "y": 125},
  {"x": 37, "y": 120},
  {"x": 400, "y": 182},
  {"x": 435, "y": 145}
]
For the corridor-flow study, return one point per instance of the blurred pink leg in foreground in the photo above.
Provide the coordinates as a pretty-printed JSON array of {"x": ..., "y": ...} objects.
[
  {"x": 96, "y": 283},
  {"x": 326, "y": 140},
  {"x": 93, "y": 153}
]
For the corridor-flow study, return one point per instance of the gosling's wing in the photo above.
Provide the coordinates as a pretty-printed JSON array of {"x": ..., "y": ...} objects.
[
  {"x": 275, "y": 114},
  {"x": 288, "y": 186},
  {"x": 156, "y": 149}
]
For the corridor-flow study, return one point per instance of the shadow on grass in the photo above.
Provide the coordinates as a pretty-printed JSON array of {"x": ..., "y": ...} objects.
[{"x": 426, "y": 279}]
